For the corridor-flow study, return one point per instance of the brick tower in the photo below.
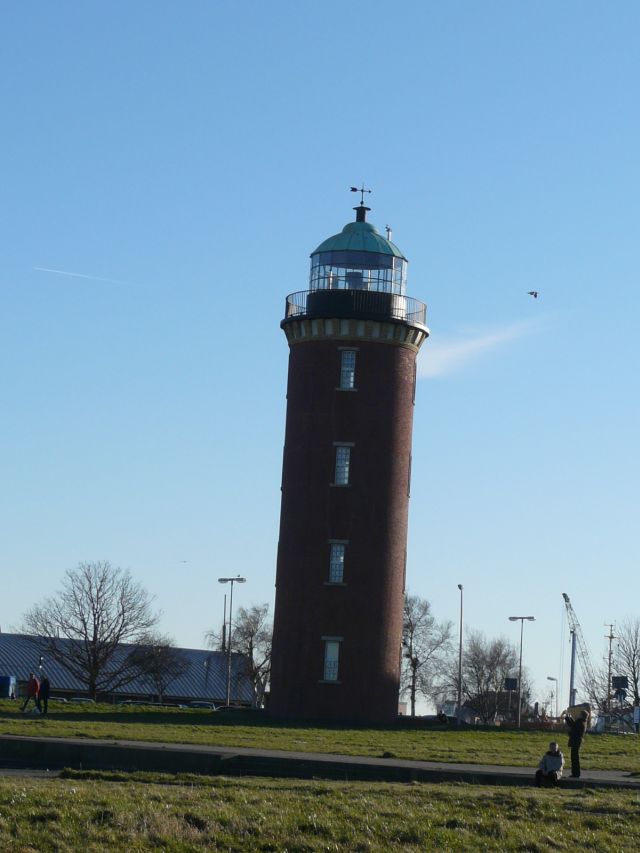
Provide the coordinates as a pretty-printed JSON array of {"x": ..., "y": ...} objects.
[{"x": 354, "y": 337}]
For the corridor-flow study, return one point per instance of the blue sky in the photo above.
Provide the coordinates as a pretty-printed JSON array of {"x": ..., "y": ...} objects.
[{"x": 167, "y": 170}]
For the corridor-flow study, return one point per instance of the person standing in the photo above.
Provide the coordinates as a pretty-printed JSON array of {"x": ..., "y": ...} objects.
[
  {"x": 577, "y": 729},
  {"x": 45, "y": 688},
  {"x": 33, "y": 689}
]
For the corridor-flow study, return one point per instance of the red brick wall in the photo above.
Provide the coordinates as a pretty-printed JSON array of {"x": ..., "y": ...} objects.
[{"x": 371, "y": 513}]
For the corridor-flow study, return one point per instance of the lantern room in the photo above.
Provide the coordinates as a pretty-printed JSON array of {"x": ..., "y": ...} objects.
[{"x": 359, "y": 258}]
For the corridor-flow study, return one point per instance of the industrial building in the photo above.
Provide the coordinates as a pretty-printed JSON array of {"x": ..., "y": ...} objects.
[{"x": 203, "y": 676}]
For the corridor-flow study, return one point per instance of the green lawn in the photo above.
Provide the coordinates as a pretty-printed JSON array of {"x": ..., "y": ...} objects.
[
  {"x": 476, "y": 746},
  {"x": 91, "y": 812}
]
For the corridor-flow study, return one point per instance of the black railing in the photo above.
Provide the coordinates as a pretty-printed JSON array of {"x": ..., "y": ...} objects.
[{"x": 358, "y": 304}]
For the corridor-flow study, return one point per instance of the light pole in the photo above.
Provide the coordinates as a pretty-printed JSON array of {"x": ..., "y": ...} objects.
[
  {"x": 224, "y": 625},
  {"x": 522, "y": 620},
  {"x": 551, "y": 678},
  {"x": 237, "y": 579},
  {"x": 460, "y": 658}
]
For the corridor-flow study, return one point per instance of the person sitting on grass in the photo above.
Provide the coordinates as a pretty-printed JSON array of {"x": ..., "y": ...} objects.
[{"x": 549, "y": 770}]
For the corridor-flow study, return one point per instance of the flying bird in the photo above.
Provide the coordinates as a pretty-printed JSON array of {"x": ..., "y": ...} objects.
[{"x": 533, "y": 293}]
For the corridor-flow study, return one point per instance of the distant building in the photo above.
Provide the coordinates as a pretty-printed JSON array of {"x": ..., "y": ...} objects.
[
  {"x": 353, "y": 336},
  {"x": 204, "y": 676}
]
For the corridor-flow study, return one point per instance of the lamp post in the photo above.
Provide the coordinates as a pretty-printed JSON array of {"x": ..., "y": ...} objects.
[
  {"x": 237, "y": 579},
  {"x": 551, "y": 678},
  {"x": 460, "y": 587},
  {"x": 522, "y": 620},
  {"x": 224, "y": 625}
]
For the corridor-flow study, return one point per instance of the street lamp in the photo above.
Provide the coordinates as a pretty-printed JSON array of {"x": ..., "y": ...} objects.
[
  {"x": 551, "y": 678},
  {"x": 460, "y": 659},
  {"x": 237, "y": 579},
  {"x": 522, "y": 620}
]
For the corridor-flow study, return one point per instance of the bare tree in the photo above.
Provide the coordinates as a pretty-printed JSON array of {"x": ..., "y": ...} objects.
[
  {"x": 157, "y": 657},
  {"x": 596, "y": 686},
  {"x": 486, "y": 664},
  {"x": 427, "y": 649},
  {"x": 84, "y": 625},
  {"x": 251, "y": 637},
  {"x": 625, "y": 660},
  {"x": 628, "y": 654}
]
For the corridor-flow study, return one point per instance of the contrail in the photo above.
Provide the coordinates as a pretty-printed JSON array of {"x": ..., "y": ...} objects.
[
  {"x": 451, "y": 356},
  {"x": 80, "y": 275}
]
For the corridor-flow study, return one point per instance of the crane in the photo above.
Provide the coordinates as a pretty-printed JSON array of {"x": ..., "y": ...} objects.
[{"x": 577, "y": 640}]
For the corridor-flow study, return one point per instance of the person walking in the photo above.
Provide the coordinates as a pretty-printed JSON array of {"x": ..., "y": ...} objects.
[
  {"x": 577, "y": 729},
  {"x": 43, "y": 696},
  {"x": 33, "y": 689}
]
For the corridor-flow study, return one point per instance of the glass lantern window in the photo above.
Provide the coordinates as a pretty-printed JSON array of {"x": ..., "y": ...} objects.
[{"x": 345, "y": 270}]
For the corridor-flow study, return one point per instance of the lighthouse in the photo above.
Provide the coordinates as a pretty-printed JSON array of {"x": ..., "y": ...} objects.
[{"x": 353, "y": 337}]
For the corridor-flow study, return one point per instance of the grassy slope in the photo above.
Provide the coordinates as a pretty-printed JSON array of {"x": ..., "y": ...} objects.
[
  {"x": 77, "y": 813},
  {"x": 601, "y": 752}
]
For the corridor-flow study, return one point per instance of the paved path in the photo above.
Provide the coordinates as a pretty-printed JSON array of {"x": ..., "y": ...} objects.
[
  {"x": 88, "y": 753},
  {"x": 28, "y": 772}
]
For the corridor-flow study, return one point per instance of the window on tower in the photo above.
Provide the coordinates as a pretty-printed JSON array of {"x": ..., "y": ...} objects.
[
  {"x": 347, "y": 369},
  {"x": 331, "y": 659},
  {"x": 343, "y": 464},
  {"x": 336, "y": 562}
]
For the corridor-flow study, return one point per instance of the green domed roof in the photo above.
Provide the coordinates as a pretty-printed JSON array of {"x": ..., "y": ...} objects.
[{"x": 359, "y": 237}]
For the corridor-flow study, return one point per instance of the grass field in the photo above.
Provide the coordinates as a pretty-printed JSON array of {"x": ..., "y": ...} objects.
[
  {"x": 95, "y": 812},
  {"x": 476, "y": 746}
]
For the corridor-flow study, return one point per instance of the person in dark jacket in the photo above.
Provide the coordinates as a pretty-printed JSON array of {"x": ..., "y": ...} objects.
[
  {"x": 45, "y": 689},
  {"x": 577, "y": 728}
]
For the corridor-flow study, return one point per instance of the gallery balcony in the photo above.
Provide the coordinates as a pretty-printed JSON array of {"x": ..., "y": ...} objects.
[{"x": 355, "y": 304}]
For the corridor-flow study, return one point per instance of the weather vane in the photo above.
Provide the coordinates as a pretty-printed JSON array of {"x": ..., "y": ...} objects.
[{"x": 362, "y": 191}]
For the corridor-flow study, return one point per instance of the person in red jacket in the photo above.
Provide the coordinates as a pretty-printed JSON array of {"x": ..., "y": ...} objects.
[{"x": 33, "y": 690}]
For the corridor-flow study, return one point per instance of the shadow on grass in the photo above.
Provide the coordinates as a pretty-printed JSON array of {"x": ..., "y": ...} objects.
[{"x": 251, "y": 719}]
